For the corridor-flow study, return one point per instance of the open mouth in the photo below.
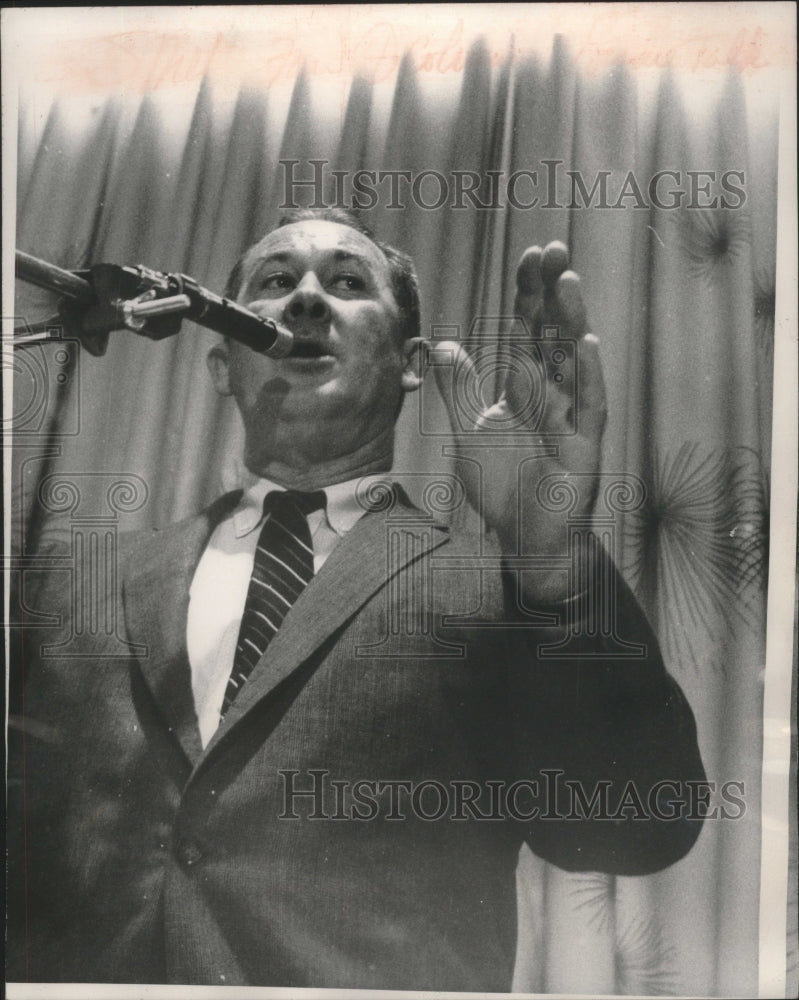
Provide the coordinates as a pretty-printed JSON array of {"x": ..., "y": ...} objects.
[{"x": 309, "y": 349}]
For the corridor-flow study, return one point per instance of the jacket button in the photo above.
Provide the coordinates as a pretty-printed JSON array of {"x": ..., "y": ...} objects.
[{"x": 188, "y": 853}]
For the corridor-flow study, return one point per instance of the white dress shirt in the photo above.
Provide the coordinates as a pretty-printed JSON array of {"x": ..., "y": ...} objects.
[{"x": 219, "y": 588}]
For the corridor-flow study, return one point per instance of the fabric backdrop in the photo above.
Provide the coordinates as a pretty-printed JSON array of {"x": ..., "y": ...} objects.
[{"x": 682, "y": 300}]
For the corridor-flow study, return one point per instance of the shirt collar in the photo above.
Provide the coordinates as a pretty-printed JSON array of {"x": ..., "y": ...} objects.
[{"x": 343, "y": 509}]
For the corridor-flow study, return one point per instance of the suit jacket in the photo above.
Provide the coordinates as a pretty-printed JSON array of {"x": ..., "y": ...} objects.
[{"x": 137, "y": 856}]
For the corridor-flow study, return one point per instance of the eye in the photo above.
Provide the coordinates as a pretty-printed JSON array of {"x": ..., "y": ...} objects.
[
  {"x": 347, "y": 282},
  {"x": 277, "y": 283}
]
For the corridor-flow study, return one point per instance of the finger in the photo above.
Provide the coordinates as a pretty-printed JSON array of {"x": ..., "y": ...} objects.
[
  {"x": 456, "y": 379},
  {"x": 552, "y": 353},
  {"x": 557, "y": 415},
  {"x": 529, "y": 286},
  {"x": 554, "y": 261},
  {"x": 591, "y": 399},
  {"x": 569, "y": 307},
  {"x": 536, "y": 280},
  {"x": 528, "y": 273},
  {"x": 525, "y": 381},
  {"x": 541, "y": 386}
]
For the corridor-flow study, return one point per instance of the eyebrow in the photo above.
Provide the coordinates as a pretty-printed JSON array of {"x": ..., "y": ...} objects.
[
  {"x": 341, "y": 255},
  {"x": 285, "y": 256},
  {"x": 281, "y": 256}
]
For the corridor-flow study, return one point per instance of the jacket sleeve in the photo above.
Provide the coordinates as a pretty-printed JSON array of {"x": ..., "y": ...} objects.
[
  {"x": 611, "y": 742},
  {"x": 34, "y": 793}
]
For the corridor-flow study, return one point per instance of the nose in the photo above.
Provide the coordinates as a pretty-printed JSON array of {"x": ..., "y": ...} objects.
[{"x": 307, "y": 301}]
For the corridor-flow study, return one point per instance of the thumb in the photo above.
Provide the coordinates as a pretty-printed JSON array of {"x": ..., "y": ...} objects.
[{"x": 457, "y": 382}]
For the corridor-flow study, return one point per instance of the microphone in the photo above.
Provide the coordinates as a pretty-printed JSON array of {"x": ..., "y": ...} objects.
[{"x": 109, "y": 297}]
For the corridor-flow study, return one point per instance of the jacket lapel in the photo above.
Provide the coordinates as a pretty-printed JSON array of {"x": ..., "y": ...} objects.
[
  {"x": 155, "y": 595},
  {"x": 357, "y": 567}
]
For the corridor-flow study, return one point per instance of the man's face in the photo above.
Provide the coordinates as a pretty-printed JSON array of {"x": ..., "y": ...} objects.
[{"x": 342, "y": 384}]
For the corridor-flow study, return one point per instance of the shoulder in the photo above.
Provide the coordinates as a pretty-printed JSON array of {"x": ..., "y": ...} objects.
[
  {"x": 61, "y": 547},
  {"x": 155, "y": 540}
]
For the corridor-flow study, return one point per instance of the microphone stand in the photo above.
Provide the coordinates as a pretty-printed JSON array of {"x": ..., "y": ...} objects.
[{"x": 107, "y": 297}]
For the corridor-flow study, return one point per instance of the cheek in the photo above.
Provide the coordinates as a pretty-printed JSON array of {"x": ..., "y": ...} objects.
[
  {"x": 375, "y": 342},
  {"x": 248, "y": 376},
  {"x": 268, "y": 308},
  {"x": 376, "y": 364}
]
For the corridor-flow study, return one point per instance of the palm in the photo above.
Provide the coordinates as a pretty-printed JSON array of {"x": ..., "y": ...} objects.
[{"x": 549, "y": 418}]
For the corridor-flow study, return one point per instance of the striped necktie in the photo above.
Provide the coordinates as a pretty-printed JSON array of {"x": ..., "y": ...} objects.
[{"x": 282, "y": 568}]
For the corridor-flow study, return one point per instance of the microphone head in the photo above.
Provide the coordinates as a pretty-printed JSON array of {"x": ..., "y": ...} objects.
[{"x": 284, "y": 341}]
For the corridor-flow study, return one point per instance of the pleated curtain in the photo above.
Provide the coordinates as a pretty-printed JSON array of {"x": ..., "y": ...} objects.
[{"x": 682, "y": 301}]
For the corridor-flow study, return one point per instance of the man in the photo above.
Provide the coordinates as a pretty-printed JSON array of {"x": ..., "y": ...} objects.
[{"x": 242, "y": 804}]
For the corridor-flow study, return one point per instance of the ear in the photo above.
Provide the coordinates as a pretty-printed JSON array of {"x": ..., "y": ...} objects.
[
  {"x": 414, "y": 351},
  {"x": 217, "y": 361}
]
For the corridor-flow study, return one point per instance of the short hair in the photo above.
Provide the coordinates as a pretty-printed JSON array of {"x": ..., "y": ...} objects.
[{"x": 404, "y": 282}]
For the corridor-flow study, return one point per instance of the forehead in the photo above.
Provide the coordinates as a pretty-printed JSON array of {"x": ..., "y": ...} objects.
[{"x": 318, "y": 239}]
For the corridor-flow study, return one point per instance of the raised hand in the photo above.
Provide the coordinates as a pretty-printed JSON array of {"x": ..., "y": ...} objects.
[{"x": 549, "y": 417}]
